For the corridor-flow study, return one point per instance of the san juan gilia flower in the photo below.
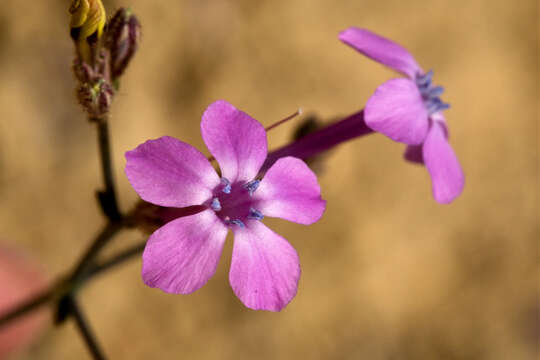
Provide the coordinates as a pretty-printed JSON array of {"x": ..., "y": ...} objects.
[
  {"x": 182, "y": 255},
  {"x": 409, "y": 110}
]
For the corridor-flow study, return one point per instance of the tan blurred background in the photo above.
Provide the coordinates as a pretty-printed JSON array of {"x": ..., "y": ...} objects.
[{"x": 388, "y": 273}]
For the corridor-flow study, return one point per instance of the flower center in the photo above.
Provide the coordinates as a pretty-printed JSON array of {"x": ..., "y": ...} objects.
[
  {"x": 234, "y": 203},
  {"x": 430, "y": 93}
]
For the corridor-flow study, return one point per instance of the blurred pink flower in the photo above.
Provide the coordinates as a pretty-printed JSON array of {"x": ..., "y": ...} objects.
[{"x": 20, "y": 279}]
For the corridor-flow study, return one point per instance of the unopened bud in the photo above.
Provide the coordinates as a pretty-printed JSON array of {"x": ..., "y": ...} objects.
[
  {"x": 95, "y": 97},
  {"x": 86, "y": 26},
  {"x": 83, "y": 72},
  {"x": 104, "y": 99},
  {"x": 122, "y": 40}
]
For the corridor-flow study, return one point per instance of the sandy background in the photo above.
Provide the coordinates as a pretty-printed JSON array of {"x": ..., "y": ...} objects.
[{"x": 388, "y": 273}]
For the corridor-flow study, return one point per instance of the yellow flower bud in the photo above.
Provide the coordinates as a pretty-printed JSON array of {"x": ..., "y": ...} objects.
[{"x": 86, "y": 25}]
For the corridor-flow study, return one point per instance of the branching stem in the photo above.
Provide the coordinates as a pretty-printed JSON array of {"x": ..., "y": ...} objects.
[{"x": 85, "y": 330}]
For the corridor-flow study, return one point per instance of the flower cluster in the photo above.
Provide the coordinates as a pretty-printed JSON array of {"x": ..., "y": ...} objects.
[
  {"x": 183, "y": 254},
  {"x": 191, "y": 207},
  {"x": 103, "y": 53}
]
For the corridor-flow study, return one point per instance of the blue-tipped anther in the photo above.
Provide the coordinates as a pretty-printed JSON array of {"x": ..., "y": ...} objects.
[
  {"x": 226, "y": 185},
  {"x": 252, "y": 186},
  {"x": 434, "y": 91},
  {"x": 216, "y": 205},
  {"x": 255, "y": 214},
  {"x": 424, "y": 80},
  {"x": 237, "y": 222},
  {"x": 430, "y": 93},
  {"x": 435, "y": 105}
]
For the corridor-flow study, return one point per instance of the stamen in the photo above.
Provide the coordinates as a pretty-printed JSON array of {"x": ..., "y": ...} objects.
[
  {"x": 430, "y": 93},
  {"x": 216, "y": 205},
  {"x": 255, "y": 214},
  {"x": 252, "y": 186},
  {"x": 435, "y": 105},
  {"x": 435, "y": 91},
  {"x": 443, "y": 106},
  {"x": 292, "y": 116},
  {"x": 226, "y": 185},
  {"x": 237, "y": 222},
  {"x": 424, "y": 80}
]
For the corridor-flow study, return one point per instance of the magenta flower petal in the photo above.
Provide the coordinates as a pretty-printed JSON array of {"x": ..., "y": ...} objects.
[
  {"x": 182, "y": 255},
  {"x": 381, "y": 50},
  {"x": 447, "y": 177},
  {"x": 397, "y": 110},
  {"x": 290, "y": 191},
  {"x": 236, "y": 140},
  {"x": 264, "y": 269},
  {"x": 413, "y": 153},
  {"x": 169, "y": 172}
]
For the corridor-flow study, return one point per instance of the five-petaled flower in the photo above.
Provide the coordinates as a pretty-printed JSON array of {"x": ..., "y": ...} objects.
[
  {"x": 409, "y": 110},
  {"x": 182, "y": 255}
]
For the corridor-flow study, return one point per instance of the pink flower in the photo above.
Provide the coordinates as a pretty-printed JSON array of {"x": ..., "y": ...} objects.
[
  {"x": 20, "y": 279},
  {"x": 182, "y": 255},
  {"x": 409, "y": 110}
]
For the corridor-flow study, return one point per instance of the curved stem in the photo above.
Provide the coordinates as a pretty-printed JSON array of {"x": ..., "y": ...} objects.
[{"x": 321, "y": 140}]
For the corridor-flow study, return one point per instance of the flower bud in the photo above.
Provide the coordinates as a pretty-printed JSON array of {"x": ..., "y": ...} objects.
[
  {"x": 104, "y": 98},
  {"x": 83, "y": 72},
  {"x": 122, "y": 40},
  {"x": 95, "y": 97},
  {"x": 86, "y": 26}
]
